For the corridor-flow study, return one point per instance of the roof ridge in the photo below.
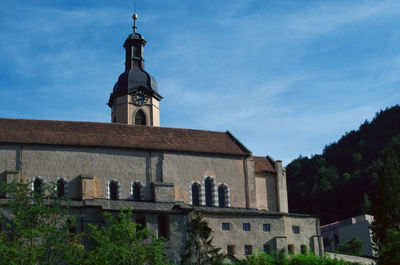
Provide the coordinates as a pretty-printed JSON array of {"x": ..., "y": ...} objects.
[{"x": 116, "y": 124}]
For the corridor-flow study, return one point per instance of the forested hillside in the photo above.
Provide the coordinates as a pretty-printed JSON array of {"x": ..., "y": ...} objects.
[{"x": 341, "y": 181}]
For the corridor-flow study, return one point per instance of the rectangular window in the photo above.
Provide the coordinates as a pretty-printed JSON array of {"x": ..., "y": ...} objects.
[
  {"x": 230, "y": 249},
  {"x": 141, "y": 221},
  {"x": 248, "y": 249},
  {"x": 267, "y": 227},
  {"x": 163, "y": 226},
  {"x": 303, "y": 249},
  {"x": 267, "y": 249},
  {"x": 296, "y": 229},
  {"x": 246, "y": 226},
  {"x": 226, "y": 226},
  {"x": 290, "y": 249}
]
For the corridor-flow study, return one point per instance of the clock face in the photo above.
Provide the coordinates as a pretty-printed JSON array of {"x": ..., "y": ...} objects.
[{"x": 139, "y": 98}]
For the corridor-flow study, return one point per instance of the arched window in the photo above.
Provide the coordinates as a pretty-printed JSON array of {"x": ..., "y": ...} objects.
[
  {"x": 37, "y": 186},
  {"x": 196, "y": 194},
  {"x": 61, "y": 183},
  {"x": 222, "y": 195},
  {"x": 209, "y": 188},
  {"x": 137, "y": 191},
  {"x": 140, "y": 118},
  {"x": 113, "y": 190}
]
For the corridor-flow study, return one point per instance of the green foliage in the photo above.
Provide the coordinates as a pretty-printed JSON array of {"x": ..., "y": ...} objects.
[
  {"x": 386, "y": 209},
  {"x": 389, "y": 251},
  {"x": 348, "y": 167},
  {"x": 121, "y": 241},
  {"x": 199, "y": 247},
  {"x": 37, "y": 229},
  {"x": 300, "y": 259},
  {"x": 259, "y": 259},
  {"x": 366, "y": 205},
  {"x": 352, "y": 247},
  {"x": 38, "y": 232}
]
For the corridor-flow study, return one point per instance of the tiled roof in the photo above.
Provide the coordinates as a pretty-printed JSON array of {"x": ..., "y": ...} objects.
[
  {"x": 263, "y": 164},
  {"x": 118, "y": 135}
]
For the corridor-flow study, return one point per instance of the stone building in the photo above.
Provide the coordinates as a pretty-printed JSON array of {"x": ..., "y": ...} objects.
[{"x": 163, "y": 174}]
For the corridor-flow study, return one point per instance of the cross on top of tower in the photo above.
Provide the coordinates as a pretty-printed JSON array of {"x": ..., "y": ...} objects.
[{"x": 135, "y": 17}]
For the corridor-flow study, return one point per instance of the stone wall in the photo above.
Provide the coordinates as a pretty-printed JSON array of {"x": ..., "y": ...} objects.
[
  {"x": 349, "y": 258},
  {"x": 279, "y": 236}
]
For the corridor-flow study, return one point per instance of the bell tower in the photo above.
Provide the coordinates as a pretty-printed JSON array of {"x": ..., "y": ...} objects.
[{"x": 135, "y": 98}]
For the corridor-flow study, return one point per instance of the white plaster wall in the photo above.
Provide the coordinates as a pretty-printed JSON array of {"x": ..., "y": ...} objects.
[
  {"x": 182, "y": 169},
  {"x": 8, "y": 157},
  {"x": 271, "y": 193},
  {"x": 261, "y": 193},
  {"x": 51, "y": 162}
]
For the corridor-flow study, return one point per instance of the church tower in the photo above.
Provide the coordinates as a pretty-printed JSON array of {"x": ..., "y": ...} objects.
[{"x": 135, "y": 99}]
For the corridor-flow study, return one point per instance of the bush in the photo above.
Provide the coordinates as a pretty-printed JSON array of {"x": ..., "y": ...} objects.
[{"x": 300, "y": 259}]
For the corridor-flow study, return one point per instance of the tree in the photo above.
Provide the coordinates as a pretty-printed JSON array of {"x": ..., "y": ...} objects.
[
  {"x": 366, "y": 204},
  {"x": 352, "y": 247},
  {"x": 265, "y": 259},
  {"x": 389, "y": 252},
  {"x": 386, "y": 209},
  {"x": 199, "y": 247},
  {"x": 313, "y": 186},
  {"x": 121, "y": 241},
  {"x": 37, "y": 230}
]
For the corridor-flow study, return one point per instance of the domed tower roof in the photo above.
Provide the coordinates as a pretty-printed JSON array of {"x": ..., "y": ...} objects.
[{"x": 135, "y": 77}]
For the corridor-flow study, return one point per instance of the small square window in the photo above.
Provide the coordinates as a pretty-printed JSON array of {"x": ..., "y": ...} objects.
[
  {"x": 248, "y": 249},
  {"x": 296, "y": 229},
  {"x": 246, "y": 226},
  {"x": 267, "y": 227},
  {"x": 230, "y": 249},
  {"x": 226, "y": 226}
]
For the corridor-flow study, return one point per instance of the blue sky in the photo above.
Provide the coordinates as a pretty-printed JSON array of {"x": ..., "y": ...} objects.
[{"x": 285, "y": 77}]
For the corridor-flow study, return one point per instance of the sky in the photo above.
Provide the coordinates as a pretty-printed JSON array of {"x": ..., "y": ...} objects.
[{"x": 285, "y": 77}]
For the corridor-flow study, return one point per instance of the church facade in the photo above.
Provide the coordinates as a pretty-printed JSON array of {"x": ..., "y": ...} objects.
[{"x": 163, "y": 174}]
